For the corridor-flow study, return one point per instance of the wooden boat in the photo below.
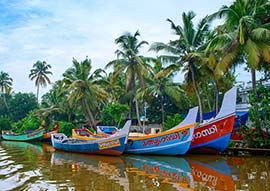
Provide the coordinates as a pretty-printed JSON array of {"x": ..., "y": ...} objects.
[
  {"x": 35, "y": 135},
  {"x": 175, "y": 141},
  {"x": 86, "y": 134},
  {"x": 47, "y": 135},
  {"x": 214, "y": 135},
  {"x": 112, "y": 145},
  {"x": 107, "y": 129}
]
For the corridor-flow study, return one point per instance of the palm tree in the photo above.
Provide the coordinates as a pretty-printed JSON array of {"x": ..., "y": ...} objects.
[
  {"x": 160, "y": 84},
  {"x": 54, "y": 104},
  {"x": 189, "y": 39},
  {"x": 84, "y": 88},
  {"x": 5, "y": 84},
  {"x": 129, "y": 62},
  {"x": 40, "y": 72},
  {"x": 246, "y": 33}
]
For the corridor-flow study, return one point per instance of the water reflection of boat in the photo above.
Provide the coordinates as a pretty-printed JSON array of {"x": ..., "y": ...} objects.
[
  {"x": 212, "y": 172},
  {"x": 109, "y": 166},
  {"x": 35, "y": 147},
  {"x": 170, "y": 171}
]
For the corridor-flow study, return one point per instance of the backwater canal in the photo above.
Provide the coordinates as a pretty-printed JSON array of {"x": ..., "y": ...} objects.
[{"x": 31, "y": 167}]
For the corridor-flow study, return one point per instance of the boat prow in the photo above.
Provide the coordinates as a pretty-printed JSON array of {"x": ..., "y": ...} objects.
[
  {"x": 214, "y": 135},
  {"x": 175, "y": 141}
]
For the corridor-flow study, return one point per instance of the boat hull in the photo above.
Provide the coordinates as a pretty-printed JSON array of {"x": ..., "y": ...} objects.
[
  {"x": 113, "y": 146},
  {"x": 213, "y": 136},
  {"x": 176, "y": 142},
  {"x": 33, "y": 136}
]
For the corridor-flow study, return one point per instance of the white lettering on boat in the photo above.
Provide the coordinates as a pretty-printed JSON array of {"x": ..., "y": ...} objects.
[
  {"x": 109, "y": 144},
  {"x": 205, "y": 132}
]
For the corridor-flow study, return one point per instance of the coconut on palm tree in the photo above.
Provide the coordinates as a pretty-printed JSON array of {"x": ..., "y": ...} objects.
[
  {"x": 84, "y": 88},
  {"x": 39, "y": 73},
  {"x": 5, "y": 84},
  {"x": 189, "y": 39},
  {"x": 131, "y": 64}
]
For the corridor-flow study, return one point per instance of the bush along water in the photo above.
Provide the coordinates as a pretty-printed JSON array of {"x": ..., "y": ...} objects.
[{"x": 259, "y": 115}]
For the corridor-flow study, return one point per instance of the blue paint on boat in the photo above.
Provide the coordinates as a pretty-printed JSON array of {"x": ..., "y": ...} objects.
[
  {"x": 83, "y": 146},
  {"x": 170, "y": 147},
  {"x": 217, "y": 144}
]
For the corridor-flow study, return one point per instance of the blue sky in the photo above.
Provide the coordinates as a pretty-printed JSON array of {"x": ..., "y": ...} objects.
[{"x": 58, "y": 30}]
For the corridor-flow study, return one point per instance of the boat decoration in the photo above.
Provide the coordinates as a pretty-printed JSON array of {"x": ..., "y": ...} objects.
[{"x": 175, "y": 141}]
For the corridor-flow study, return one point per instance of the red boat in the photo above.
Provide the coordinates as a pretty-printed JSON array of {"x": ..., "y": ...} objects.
[{"x": 214, "y": 135}]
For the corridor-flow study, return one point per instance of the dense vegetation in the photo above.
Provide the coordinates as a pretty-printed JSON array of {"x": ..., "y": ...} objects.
[{"x": 140, "y": 85}]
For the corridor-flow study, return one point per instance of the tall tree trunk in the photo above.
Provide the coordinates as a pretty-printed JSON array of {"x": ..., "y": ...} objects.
[
  {"x": 37, "y": 92},
  {"x": 196, "y": 91},
  {"x": 5, "y": 102},
  {"x": 253, "y": 80},
  {"x": 208, "y": 102},
  {"x": 130, "y": 108},
  {"x": 216, "y": 96},
  {"x": 90, "y": 114},
  {"x": 162, "y": 110},
  {"x": 137, "y": 111}
]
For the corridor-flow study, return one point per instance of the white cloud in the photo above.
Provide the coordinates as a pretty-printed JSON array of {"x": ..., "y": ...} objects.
[{"x": 56, "y": 31}]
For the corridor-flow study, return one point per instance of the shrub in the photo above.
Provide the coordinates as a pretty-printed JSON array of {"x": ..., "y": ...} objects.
[
  {"x": 172, "y": 121},
  {"x": 30, "y": 122},
  {"x": 65, "y": 127},
  {"x": 5, "y": 123}
]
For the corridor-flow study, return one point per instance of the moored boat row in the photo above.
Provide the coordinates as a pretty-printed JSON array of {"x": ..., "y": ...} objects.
[
  {"x": 188, "y": 136},
  {"x": 212, "y": 135}
]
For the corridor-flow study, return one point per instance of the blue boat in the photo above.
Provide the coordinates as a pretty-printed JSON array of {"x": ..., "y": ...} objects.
[
  {"x": 112, "y": 145},
  {"x": 175, "y": 141}
]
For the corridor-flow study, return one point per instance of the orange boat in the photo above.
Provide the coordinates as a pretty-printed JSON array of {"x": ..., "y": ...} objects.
[{"x": 47, "y": 135}]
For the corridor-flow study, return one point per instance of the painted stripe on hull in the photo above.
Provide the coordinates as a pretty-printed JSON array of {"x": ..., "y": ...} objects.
[
  {"x": 178, "y": 148},
  {"x": 219, "y": 144}
]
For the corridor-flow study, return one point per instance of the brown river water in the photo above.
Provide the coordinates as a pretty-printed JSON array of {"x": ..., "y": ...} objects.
[{"x": 29, "y": 166}]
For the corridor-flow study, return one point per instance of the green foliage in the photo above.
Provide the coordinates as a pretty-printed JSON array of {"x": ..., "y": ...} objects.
[
  {"x": 26, "y": 101},
  {"x": 66, "y": 128},
  {"x": 172, "y": 121},
  {"x": 20, "y": 104},
  {"x": 31, "y": 122},
  {"x": 154, "y": 112},
  {"x": 259, "y": 114},
  {"x": 5, "y": 123},
  {"x": 114, "y": 114}
]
